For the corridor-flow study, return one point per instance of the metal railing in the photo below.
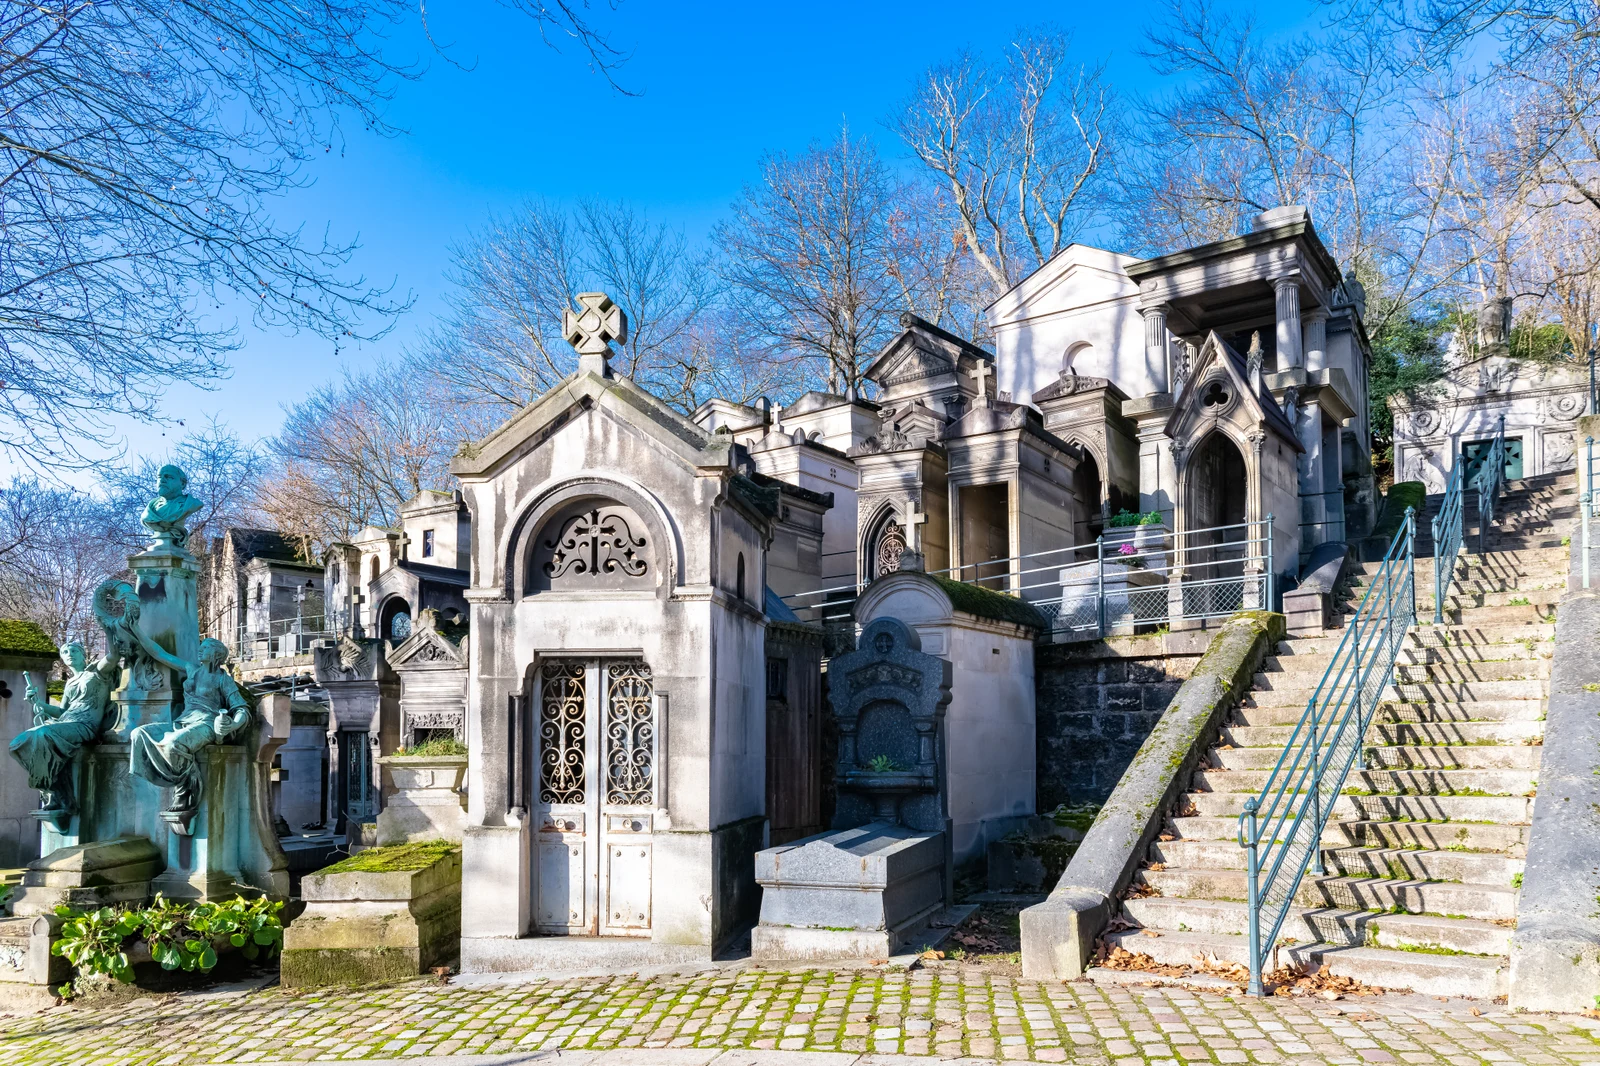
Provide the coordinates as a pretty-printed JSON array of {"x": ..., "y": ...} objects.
[
  {"x": 1447, "y": 540},
  {"x": 1281, "y": 828},
  {"x": 282, "y": 638},
  {"x": 1131, "y": 577},
  {"x": 1490, "y": 482}
]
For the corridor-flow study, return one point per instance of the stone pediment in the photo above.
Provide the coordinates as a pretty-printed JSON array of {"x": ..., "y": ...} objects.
[
  {"x": 428, "y": 647},
  {"x": 580, "y": 396},
  {"x": 1219, "y": 387},
  {"x": 924, "y": 353},
  {"x": 1071, "y": 383}
]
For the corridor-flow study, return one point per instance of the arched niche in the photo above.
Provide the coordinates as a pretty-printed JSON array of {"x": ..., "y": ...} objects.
[{"x": 591, "y": 543}]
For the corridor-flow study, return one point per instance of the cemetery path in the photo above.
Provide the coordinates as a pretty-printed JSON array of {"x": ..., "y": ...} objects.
[{"x": 754, "y": 1017}]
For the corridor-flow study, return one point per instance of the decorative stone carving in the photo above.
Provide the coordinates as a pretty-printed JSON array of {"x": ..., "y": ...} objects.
[
  {"x": 891, "y": 545},
  {"x": 1567, "y": 406},
  {"x": 597, "y": 322},
  {"x": 166, "y": 515},
  {"x": 168, "y": 754},
  {"x": 1559, "y": 451}
]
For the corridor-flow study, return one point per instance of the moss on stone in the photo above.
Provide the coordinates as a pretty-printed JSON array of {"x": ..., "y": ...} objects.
[
  {"x": 24, "y": 638},
  {"x": 397, "y": 858},
  {"x": 347, "y": 966},
  {"x": 987, "y": 603},
  {"x": 1401, "y": 494}
]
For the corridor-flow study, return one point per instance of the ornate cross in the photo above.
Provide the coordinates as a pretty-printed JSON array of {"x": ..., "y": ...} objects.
[{"x": 591, "y": 329}]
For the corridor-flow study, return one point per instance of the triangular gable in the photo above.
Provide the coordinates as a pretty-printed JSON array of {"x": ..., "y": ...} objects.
[
  {"x": 922, "y": 350},
  {"x": 427, "y": 645},
  {"x": 540, "y": 420},
  {"x": 1084, "y": 264},
  {"x": 1259, "y": 406}
]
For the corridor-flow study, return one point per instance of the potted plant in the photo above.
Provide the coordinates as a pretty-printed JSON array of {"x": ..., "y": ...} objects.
[{"x": 422, "y": 797}]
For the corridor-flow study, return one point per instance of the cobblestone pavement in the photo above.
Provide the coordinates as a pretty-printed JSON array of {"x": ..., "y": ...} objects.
[{"x": 942, "y": 1011}]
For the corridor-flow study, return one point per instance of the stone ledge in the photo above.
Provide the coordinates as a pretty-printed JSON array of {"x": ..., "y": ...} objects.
[
  {"x": 1555, "y": 952},
  {"x": 1058, "y": 935}
]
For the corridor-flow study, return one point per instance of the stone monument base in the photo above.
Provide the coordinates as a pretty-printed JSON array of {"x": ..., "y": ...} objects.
[
  {"x": 361, "y": 926},
  {"x": 865, "y": 893},
  {"x": 425, "y": 801},
  {"x": 98, "y": 874},
  {"x": 26, "y": 961}
]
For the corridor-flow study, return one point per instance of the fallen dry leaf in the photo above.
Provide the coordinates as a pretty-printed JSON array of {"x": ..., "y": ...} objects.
[
  {"x": 930, "y": 954},
  {"x": 1166, "y": 837},
  {"x": 1116, "y": 958},
  {"x": 1476, "y": 1013},
  {"x": 1149, "y": 933}
]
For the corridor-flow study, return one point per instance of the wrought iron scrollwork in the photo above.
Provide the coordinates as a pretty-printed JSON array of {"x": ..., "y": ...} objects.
[
  {"x": 561, "y": 733},
  {"x": 891, "y": 545},
  {"x": 596, "y": 543},
  {"x": 630, "y": 734}
]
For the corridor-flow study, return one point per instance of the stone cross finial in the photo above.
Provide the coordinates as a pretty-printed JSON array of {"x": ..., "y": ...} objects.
[
  {"x": 911, "y": 519},
  {"x": 591, "y": 329},
  {"x": 981, "y": 374}
]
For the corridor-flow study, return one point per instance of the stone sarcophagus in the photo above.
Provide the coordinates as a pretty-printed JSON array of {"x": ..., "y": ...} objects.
[{"x": 870, "y": 887}]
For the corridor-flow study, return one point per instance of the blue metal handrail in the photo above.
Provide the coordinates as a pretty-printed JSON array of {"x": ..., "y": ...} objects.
[
  {"x": 1490, "y": 481},
  {"x": 1446, "y": 541},
  {"x": 1281, "y": 829}
]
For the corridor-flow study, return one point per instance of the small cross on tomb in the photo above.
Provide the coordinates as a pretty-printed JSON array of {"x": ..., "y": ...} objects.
[
  {"x": 981, "y": 374},
  {"x": 913, "y": 519},
  {"x": 591, "y": 329}
]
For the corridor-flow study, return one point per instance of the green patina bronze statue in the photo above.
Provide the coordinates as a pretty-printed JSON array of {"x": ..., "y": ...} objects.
[
  {"x": 167, "y": 515},
  {"x": 168, "y": 753},
  {"x": 60, "y": 730}
]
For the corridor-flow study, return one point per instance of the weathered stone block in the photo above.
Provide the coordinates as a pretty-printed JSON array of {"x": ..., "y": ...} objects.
[
  {"x": 374, "y": 924},
  {"x": 98, "y": 874},
  {"x": 424, "y": 799},
  {"x": 862, "y": 892}
]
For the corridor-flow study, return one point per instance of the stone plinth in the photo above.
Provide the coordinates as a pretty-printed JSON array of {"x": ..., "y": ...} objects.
[
  {"x": 424, "y": 799},
  {"x": 19, "y": 829},
  {"x": 98, "y": 874},
  {"x": 361, "y": 926},
  {"x": 25, "y": 957},
  {"x": 866, "y": 892}
]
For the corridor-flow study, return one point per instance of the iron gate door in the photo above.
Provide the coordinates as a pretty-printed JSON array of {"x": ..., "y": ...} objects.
[{"x": 597, "y": 759}]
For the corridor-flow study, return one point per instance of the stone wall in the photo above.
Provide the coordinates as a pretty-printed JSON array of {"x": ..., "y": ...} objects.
[{"x": 1097, "y": 701}]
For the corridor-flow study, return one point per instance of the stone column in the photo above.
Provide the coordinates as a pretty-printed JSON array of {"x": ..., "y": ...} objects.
[
  {"x": 1287, "y": 291},
  {"x": 1308, "y": 428},
  {"x": 1315, "y": 336},
  {"x": 1155, "y": 344}
]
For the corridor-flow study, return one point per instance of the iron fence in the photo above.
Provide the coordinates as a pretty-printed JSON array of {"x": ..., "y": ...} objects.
[
  {"x": 280, "y": 639},
  {"x": 1281, "y": 828},
  {"x": 1130, "y": 578}
]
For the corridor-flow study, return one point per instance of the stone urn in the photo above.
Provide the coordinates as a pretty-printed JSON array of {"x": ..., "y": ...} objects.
[{"x": 423, "y": 798}]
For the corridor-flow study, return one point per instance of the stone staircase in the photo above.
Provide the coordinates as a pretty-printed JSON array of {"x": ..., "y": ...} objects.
[{"x": 1424, "y": 852}]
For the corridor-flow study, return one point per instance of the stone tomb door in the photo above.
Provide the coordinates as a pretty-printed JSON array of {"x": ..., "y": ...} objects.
[{"x": 597, "y": 757}]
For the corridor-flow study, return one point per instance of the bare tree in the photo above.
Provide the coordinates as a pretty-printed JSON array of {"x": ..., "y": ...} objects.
[
  {"x": 351, "y": 453},
  {"x": 1018, "y": 146},
  {"x": 500, "y": 345},
  {"x": 64, "y": 543},
  {"x": 809, "y": 255},
  {"x": 141, "y": 142}
]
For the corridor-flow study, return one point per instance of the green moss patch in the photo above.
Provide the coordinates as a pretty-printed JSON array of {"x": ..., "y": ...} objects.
[
  {"x": 24, "y": 638},
  {"x": 433, "y": 749},
  {"x": 395, "y": 859},
  {"x": 1401, "y": 494},
  {"x": 987, "y": 603}
]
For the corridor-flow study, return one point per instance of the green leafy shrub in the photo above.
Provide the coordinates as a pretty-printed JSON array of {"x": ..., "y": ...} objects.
[
  {"x": 1125, "y": 517},
  {"x": 433, "y": 749},
  {"x": 181, "y": 936},
  {"x": 882, "y": 764}
]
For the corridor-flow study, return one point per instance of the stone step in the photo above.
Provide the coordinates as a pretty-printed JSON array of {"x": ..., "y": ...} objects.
[
  {"x": 1544, "y": 599},
  {"x": 1480, "y": 642},
  {"x": 1513, "y": 810},
  {"x": 1433, "y": 666},
  {"x": 1384, "y": 733},
  {"x": 1394, "y": 713},
  {"x": 1349, "y": 893},
  {"x": 1400, "y": 864},
  {"x": 1509, "y": 559},
  {"x": 1422, "y": 782},
  {"x": 1523, "y": 710},
  {"x": 1425, "y": 974},
  {"x": 1449, "y": 635},
  {"x": 1303, "y": 925},
  {"x": 1518, "y": 615},
  {"x": 1469, "y": 757},
  {"x": 1279, "y": 690},
  {"x": 1510, "y": 839}
]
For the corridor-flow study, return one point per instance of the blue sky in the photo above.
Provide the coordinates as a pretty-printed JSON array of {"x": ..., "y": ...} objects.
[{"x": 719, "y": 85}]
